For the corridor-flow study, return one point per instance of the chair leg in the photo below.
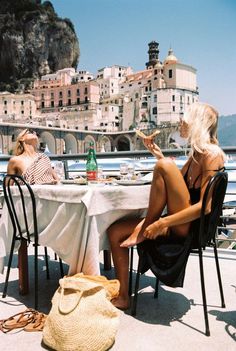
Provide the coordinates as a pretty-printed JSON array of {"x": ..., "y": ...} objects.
[
  {"x": 46, "y": 262},
  {"x": 156, "y": 289},
  {"x": 131, "y": 270},
  {"x": 8, "y": 269},
  {"x": 23, "y": 267},
  {"x": 203, "y": 294},
  {"x": 61, "y": 267},
  {"x": 135, "y": 298},
  {"x": 107, "y": 259},
  {"x": 219, "y": 277},
  {"x": 36, "y": 276}
]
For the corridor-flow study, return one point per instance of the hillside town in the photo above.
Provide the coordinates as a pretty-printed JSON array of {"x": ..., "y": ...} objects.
[
  {"x": 114, "y": 99},
  {"x": 117, "y": 175}
]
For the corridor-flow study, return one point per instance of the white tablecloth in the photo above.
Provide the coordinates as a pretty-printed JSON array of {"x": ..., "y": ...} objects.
[{"x": 73, "y": 220}]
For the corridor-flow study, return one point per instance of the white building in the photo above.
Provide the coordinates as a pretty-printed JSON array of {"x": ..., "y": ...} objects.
[
  {"x": 119, "y": 99},
  {"x": 158, "y": 94},
  {"x": 173, "y": 90},
  {"x": 17, "y": 107},
  {"x": 82, "y": 76},
  {"x": 62, "y": 77},
  {"x": 136, "y": 93},
  {"x": 108, "y": 79},
  {"x": 108, "y": 118}
]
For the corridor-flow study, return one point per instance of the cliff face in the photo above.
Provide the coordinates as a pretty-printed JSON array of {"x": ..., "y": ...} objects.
[{"x": 33, "y": 41}]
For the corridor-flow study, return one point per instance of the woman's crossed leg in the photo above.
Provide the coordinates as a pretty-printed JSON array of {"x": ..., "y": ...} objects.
[{"x": 168, "y": 188}]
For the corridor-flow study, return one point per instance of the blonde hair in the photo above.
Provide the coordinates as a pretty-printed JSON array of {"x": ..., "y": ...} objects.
[
  {"x": 19, "y": 147},
  {"x": 202, "y": 120}
]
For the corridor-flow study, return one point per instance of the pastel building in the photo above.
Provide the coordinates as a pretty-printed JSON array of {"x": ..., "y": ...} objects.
[
  {"x": 108, "y": 79},
  {"x": 173, "y": 90},
  {"x": 65, "y": 88},
  {"x": 74, "y": 95},
  {"x": 107, "y": 118},
  {"x": 111, "y": 102},
  {"x": 135, "y": 91},
  {"x": 65, "y": 76},
  {"x": 17, "y": 107},
  {"x": 158, "y": 94},
  {"x": 118, "y": 98}
]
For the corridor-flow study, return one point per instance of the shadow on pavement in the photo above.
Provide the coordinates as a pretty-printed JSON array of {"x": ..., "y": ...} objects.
[
  {"x": 229, "y": 318},
  {"x": 47, "y": 287}
]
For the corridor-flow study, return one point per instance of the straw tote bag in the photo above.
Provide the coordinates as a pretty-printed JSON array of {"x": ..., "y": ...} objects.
[{"x": 82, "y": 318}]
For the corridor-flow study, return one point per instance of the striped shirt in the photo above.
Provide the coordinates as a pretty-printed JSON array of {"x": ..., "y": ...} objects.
[{"x": 40, "y": 171}]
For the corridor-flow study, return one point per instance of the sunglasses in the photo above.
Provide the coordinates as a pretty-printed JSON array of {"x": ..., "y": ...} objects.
[{"x": 30, "y": 131}]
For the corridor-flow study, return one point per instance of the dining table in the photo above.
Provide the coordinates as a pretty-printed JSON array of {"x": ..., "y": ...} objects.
[{"x": 73, "y": 220}]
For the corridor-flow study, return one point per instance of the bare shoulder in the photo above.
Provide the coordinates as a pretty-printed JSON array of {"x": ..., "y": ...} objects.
[
  {"x": 14, "y": 164},
  {"x": 185, "y": 166},
  {"x": 212, "y": 161},
  {"x": 14, "y": 160}
]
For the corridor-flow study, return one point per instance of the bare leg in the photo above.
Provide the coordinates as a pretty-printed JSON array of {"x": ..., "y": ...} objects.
[
  {"x": 117, "y": 233},
  {"x": 168, "y": 188}
]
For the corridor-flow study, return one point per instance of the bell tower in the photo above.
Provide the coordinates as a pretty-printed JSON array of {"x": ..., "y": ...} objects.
[{"x": 153, "y": 53}]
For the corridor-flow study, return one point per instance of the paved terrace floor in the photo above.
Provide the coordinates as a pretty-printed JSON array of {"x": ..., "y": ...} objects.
[{"x": 172, "y": 322}]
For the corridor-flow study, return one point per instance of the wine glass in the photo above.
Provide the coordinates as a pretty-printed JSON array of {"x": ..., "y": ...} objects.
[
  {"x": 123, "y": 170},
  {"x": 59, "y": 169},
  {"x": 131, "y": 171},
  {"x": 100, "y": 175}
]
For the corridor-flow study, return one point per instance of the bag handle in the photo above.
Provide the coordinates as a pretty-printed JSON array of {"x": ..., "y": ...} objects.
[{"x": 68, "y": 310}]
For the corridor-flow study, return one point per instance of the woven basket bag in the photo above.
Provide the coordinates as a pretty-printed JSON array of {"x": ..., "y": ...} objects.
[{"x": 82, "y": 318}]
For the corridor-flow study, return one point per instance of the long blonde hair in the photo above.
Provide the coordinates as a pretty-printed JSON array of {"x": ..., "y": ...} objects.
[
  {"x": 202, "y": 120},
  {"x": 19, "y": 147}
]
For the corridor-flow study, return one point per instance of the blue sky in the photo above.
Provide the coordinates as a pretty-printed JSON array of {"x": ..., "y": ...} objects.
[{"x": 201, "y": 33}]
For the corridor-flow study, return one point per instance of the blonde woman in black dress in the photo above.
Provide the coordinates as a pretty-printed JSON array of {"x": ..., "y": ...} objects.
[{"x": 180, "y": 191}]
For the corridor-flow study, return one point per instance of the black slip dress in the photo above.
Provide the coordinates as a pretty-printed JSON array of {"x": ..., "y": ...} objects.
[{"x": 167, "y": 256}]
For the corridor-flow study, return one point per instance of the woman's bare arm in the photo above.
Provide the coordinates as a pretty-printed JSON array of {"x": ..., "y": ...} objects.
[
  {"x": 209, "y": 165},
  {"x": 12, "y": 166},
  {"x": 55, "y": 176}
]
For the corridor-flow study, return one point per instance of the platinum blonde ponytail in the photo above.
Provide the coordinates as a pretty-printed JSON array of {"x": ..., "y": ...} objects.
[{"x": 202, "y": 120}]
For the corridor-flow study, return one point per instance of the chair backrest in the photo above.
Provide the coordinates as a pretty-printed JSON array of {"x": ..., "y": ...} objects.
[
  {"x": 23, "y": 211},
  {"x": 215, "y": 191}
]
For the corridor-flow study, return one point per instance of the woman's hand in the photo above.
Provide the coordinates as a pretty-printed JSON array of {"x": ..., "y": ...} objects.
[
  {"x": 156, "y": 229},
  {"x": 153, "y": 148},
  {"x": 55, "y": 177}
]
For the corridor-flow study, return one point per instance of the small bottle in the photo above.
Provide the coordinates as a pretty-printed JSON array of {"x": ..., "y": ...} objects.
[{"x": 91, "y": 165}]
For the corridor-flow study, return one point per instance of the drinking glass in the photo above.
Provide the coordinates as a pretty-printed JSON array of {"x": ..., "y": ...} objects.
[
  {"x": 100, "y": 173},
  {"x": 123, "y": 170},
  {"x": 59, "y": 169},
  {"x": 131, "y": 171}
]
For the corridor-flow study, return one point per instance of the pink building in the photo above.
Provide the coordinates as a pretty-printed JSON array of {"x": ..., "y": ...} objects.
[
  {"x": 54, "y": 98},
  {"x": 65, "y": 88}
]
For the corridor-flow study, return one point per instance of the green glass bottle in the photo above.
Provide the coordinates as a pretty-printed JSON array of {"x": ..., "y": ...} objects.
[{"x": 91, "y": 164}]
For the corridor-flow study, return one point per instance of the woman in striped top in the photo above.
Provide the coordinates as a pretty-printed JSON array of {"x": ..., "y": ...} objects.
[{"x": 27, "y": 162}]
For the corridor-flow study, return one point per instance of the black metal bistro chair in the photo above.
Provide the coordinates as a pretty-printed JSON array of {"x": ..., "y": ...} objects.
[
  {"x": 173, "y": 259},
  {"x": 24, "y": 222}
]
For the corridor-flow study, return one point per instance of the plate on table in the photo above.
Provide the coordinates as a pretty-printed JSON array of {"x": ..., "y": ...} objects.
[
  {"x": 74, "y": 181},
  {"x": 133, "y": 182}
]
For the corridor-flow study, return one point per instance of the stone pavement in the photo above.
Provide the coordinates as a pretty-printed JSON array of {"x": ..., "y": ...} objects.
[{"x": 174, "y": 321}]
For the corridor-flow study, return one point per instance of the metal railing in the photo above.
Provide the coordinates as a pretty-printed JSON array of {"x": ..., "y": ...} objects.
[{"x": 142, "y": 154}]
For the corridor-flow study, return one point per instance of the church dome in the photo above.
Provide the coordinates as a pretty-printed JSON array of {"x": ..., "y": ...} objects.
[
  {"x": 171, "y": 58},
  {"x": 158, "y": 65}
]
